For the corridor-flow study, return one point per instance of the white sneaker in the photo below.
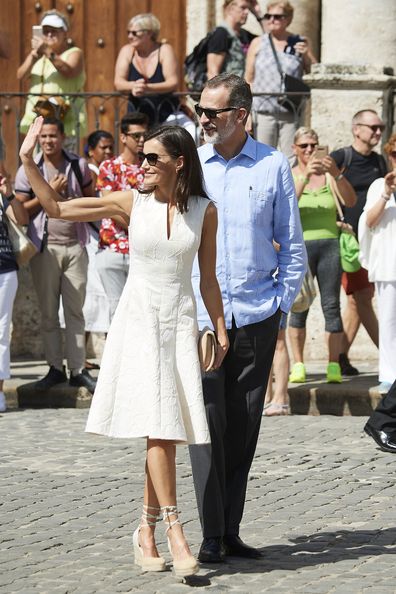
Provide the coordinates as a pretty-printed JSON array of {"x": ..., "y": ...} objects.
[{"x": 3, "y": 403}]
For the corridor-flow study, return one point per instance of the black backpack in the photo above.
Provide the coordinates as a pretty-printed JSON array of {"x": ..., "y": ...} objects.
[{"x": 195, "y": 65}]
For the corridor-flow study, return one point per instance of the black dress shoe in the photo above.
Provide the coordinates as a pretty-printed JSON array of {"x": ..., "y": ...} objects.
[
  {"x": 386, "y": 441},
  {"x": 83, "y": 380},
  {"x": 211, "y": 551},
  {"x": 235, "y": 547},
  {"x": 53, "y": 377}
]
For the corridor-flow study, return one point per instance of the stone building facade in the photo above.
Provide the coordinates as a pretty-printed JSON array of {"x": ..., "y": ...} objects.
[{"x": 357, "y": 55}]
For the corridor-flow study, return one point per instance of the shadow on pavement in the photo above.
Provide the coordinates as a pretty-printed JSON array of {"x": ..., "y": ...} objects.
[{"x": 315, "y": 549}]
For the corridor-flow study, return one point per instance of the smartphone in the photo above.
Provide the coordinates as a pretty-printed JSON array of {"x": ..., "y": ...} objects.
[
  {"x": 37, "y": 31},
  {"x": 291, "y": 42},
  {"x": 321, "y": 151}
]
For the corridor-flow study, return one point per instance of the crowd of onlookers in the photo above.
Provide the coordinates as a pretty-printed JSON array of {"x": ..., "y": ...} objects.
[{"x": 83, "y": 267}]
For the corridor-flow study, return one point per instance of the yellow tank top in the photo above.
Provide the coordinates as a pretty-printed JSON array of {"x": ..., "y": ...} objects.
[{"x": 45, "y": 79}]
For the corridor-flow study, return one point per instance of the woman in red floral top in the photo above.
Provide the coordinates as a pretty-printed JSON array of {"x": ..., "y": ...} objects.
[{"x": 121, "y": 173}]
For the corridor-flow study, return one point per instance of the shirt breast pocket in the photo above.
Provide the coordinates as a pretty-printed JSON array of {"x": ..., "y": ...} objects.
[{"x": 261, "y": 205}]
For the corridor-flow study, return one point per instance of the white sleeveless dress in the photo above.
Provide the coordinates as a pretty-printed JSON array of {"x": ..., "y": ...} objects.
[{"x": 149, "y": 383}]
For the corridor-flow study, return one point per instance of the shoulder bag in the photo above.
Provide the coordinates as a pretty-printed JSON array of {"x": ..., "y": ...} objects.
[
  {"x": 349, "y": 245},
  {"x": 289, "y": 84}
]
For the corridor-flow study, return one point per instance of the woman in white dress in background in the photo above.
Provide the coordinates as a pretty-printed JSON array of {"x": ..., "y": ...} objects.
[{"x": 150, "y": 383}]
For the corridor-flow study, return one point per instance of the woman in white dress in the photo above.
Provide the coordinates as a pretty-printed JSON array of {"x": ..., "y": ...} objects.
[
  {"x": 150, "y": 384},
  {"x": 377, "y": 231}
]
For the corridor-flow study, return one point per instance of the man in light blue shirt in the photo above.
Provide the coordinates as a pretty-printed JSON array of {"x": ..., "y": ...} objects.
[{"x": 252, "y": 188}]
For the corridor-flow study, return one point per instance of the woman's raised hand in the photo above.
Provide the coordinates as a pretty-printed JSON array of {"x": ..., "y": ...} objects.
[{"x": 27, "y": 148}]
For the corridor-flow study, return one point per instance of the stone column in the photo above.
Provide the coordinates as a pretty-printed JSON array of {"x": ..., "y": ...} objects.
[
  {"x": 200, "y": 14},
  {"x": 359, "y": 32},
  {"x": 338, "y": 91}
]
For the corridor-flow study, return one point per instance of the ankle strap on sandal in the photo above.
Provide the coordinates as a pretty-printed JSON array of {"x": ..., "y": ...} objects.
[
  {"x": 170, "y": 510},
  {"x": 149, "y": 519}
]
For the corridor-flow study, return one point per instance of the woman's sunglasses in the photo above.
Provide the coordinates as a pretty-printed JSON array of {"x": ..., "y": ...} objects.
[
  {"x": 276, "y": 17},
  {"x": 137, "y": 33},
  {"x": 151, "y": 158},
  {"x": 305, "y": 145}
]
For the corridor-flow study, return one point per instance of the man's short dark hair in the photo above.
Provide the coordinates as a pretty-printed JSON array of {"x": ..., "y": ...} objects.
[
  {"x": 135, "y": 118},
  {"x": 240, "y": 93},
  {"x": 55, "y": 122}
]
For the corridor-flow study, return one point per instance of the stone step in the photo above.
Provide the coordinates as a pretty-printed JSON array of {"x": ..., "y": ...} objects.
[{"x": 357, "y": 396}]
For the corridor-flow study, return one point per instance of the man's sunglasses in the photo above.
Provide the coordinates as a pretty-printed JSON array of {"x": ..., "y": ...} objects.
[
  {"x": 211, "y": 114},
  {"x": 151, "y": 158},
  {"x": 305, "y": 145},
  {"x": 374, "y": 127},
  {"x": 136, "y": 135},
  {"x": 276, "y": 17}
]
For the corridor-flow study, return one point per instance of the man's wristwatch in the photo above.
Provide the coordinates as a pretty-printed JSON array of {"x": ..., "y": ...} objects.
[
  {"x": 52, "y": 56},
  {"x": 10, "y": 197}
]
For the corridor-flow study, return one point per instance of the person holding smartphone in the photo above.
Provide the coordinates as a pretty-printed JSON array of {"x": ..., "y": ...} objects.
[
  {"x": 312, "y": 177},
  {"x": 55, "y": 68},
  {"x": 274, "y": 124}
]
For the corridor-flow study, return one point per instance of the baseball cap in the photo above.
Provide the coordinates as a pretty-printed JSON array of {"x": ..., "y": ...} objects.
[{"x": 54, "y": 20}]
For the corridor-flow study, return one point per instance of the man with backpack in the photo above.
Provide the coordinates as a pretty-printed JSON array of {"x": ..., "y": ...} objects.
[
  {"x": 223, "y": 49},
  {"x": 60, "y": 267},
  {"x": 361, "y": 165}
]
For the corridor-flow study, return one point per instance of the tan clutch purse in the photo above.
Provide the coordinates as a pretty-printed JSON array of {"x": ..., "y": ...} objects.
[{"x": 207, "y": 348}]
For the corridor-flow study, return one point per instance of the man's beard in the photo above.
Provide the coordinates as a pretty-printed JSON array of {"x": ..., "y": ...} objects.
[{"x": 216, "y": 137}]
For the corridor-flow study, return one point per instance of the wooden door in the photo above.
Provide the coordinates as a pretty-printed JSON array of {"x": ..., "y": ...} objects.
[{"x": 99, "y": 28}]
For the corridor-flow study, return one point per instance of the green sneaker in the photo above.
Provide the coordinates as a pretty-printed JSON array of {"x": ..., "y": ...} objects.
[
  {"x": 334, "y": 373},
  {"x": 298, "y": 374}
]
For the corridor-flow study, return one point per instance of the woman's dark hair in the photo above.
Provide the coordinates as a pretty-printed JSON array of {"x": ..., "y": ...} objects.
[
  {"x": 179, "y": 143},
  {"x": 94, "y": 139}
]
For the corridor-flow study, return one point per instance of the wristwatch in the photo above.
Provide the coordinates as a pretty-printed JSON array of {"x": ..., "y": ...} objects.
[
  {"x": 52, "y": 56},
  {"x": 10, "y": 197}
]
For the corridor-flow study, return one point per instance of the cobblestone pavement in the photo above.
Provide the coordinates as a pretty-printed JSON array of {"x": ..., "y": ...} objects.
[{"x": 320, "y": 505}]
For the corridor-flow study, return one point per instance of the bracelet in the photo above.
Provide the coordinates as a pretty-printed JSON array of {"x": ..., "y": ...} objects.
[
  {"x": 305, "y": 180},
  {"x": 339, "y": 176},
  {"x": 385, "y": 197},
  {"x": 10, "y": 197}
]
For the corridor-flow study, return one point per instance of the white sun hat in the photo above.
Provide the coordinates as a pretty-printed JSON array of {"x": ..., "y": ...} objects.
[{"x": 54, "y": 20}]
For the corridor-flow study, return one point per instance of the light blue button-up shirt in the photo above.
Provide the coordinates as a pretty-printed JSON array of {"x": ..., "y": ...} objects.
[{"x": 256, "y": 204}]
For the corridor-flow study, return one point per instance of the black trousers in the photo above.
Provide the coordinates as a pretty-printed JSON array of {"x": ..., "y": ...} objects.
[
  {"x": 234, "y": 398},
  {"x": 384, "y": 416}
]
